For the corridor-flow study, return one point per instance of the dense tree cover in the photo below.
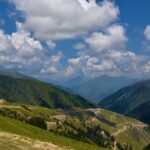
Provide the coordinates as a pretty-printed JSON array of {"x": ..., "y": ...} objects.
[
  {"x": 37, "y": 121},
  {"x": 28, "y": 91}
]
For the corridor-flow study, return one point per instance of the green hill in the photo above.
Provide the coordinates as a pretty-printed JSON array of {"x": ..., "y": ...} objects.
[
  {"x": 98, "y": 88},
  {"x": 15, "y": 135},
  {"x": 91, "y": 126},
  {"x": 22, "y": 89},
  {"x": 133, "y": 100}
]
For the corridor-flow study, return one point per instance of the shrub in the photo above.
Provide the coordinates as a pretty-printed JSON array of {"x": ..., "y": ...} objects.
[
  {"x": 37, "y": 121},
  {"x": 147, "y": 147},
  {"x": 25, "y": 107}
]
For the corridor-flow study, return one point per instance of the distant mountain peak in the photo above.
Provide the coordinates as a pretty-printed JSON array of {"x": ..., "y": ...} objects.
[
  {"x": 102, "y": 86},
  {"x": 14, "y": 74}
]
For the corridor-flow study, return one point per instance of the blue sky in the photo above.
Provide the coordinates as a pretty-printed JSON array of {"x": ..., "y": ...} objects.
[
  {"x": 60, "y": 40},
  {"x": 136, "y": 15}
]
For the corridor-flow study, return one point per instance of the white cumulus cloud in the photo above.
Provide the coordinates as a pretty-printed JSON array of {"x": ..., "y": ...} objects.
[
  {"x": 147, "y": 32},
  {"x": 102, "y": 49},
  {"x": 106, "y": 54},
  {"x": 63, "y": 19},
  {"x": 22, "y": 52},
  {"x": 112, "y": 38}
]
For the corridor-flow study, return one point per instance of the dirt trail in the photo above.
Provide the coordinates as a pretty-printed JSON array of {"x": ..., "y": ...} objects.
[
  {"x": 9, "y": 106},
  {"x": 127, "y": 125},
  {"x": 121, "y": 130},
  {"x": 5, "y": 104},
  {"x": 112, "y": 117},
  {"x": 140, "y": 125},
  {"x": 97, "y": 112},
  {"x": 25, "y": 143}
]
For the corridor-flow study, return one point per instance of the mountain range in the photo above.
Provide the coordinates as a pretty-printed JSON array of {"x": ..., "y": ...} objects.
[
  {"x": 71, "y": 82},
  {"x": 19, "y": 88},
  {"x": 133, "y": 101},
  {"x": 31, "y": 109},
  {"x": 98, "y": 88}
]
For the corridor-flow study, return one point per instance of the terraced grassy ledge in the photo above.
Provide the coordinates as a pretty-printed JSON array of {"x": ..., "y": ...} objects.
[
  {"x": 76, "y": 123},
  {"x": 13, "y": 126}
]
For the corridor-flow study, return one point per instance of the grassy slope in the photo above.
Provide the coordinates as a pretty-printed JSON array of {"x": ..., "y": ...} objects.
[
  {"x": 124, "y": 129},
  {"x": 133, "y": 100},
  {"x": 132, "y": 131},
  {"x": 17, "y": 127},
  {"x": 142, "y": 112},
  {"x": 28, "y": 91}
]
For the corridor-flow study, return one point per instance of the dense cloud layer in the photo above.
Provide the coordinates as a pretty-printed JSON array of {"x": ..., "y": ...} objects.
[
  {"x": 102, "y": 49},
  {"x": 20, "y": 51},
  {"x": 106, "y": 54},
  {"x": 63, "y": 19}
]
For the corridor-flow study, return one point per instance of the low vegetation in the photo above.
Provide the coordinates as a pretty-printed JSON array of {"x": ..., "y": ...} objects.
[
  {"x": 92, "y": 126},
  {"x": 30, "y": 91},
  {"x": 13, "y": 128}
]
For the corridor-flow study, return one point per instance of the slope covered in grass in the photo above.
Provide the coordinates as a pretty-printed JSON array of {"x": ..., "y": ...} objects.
[
  {"x": 10, "y": 127},
  {"x": 85, "y": 125},
  {"x": 28, "y": 91},
  {"x": 133, "y": 100}
]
